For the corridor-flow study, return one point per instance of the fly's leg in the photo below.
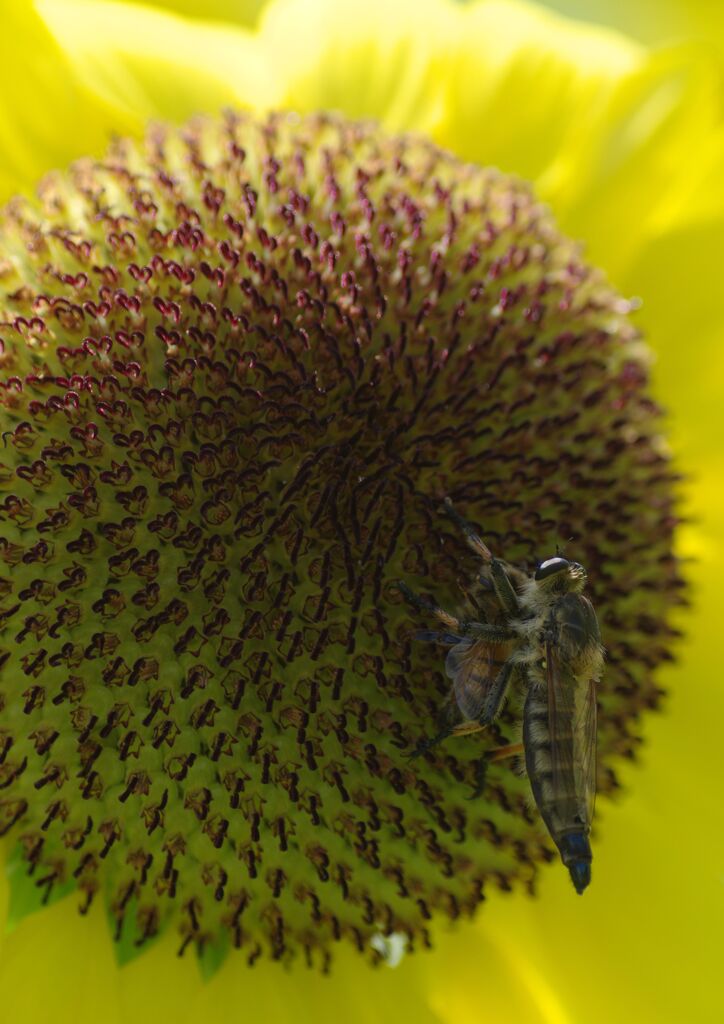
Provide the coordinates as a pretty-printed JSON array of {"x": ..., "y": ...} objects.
[
  {"x": 486, "y": 631},
  {"x": 462, "y": 627},
  {"x": 504, "y": 590},
  {"x": 444, "y": 640},
  {"x": 507, "y": 597},
  {"x": 431, "y": 636},
  {"x": 496, "y": 695},
  {"x": 424, "y": 604},
  {"x": 466, "y": 728},
  {"x": 501, "y": 753},
  {"x": 481, "y": 768},
  {"x": 470, "y": 535},
  {"x": 424, "y": 745}
]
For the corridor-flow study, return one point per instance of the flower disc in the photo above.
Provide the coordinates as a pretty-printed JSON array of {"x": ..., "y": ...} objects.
[{"x": 242, "y": 365}]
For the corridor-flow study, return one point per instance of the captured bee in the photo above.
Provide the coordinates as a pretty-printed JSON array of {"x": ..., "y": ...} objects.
[{"x": 539, "y": 633}]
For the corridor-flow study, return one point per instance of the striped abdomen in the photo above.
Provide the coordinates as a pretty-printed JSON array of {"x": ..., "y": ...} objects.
[{"x": 552, "y": 757}]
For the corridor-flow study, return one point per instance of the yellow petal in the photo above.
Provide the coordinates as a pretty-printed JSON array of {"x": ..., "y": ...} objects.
[
  {"x": 46, "y": 115},
  {"x": 150, "y": 63},
  {"x": 653, "y": 162},
  {"x": 243, "y": 12},
  {"x": 377, "y": 59},
  {"x": 60, "y": 968},
  {"x": 41, "y": 967},
  {"x": 652, "y": 21},
  {"x": 523, "y": 84}
]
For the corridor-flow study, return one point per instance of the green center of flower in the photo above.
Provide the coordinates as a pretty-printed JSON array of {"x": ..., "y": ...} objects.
[{"x": 241, "y": 368}]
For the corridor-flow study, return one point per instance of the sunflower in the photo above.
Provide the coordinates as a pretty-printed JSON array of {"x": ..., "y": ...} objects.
[{"x": 625, "y": 143}]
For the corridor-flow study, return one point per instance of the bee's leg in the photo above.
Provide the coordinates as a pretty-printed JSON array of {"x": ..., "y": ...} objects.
[
  {"x": 481, "y": 768},
  {"x": 496, "y": 694}
]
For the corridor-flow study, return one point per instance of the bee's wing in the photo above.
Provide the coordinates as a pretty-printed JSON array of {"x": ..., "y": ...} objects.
[
  {"x": 472, "y": 665},
  {"x": 572, "y": 721}
]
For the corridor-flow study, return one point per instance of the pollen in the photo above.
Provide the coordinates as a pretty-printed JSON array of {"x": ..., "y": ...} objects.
[{"x": 242, "y": 364}]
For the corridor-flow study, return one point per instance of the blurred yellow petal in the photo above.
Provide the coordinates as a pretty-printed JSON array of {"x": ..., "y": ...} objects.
[
  {"x": 266, "y": 993},
  {"x": 377, "y": 59},
  {"x": 151, "y": 63},
  {"x": 243, "y": 12},
  {"x": 649, "y": 164},
  {"x": 679, "y": 276},
  {"x": 523, "y": 84},
  {"x": 46, "y": 115},
  {"x": 48, "y": 985},
  {"x": 651, "y": 21}
]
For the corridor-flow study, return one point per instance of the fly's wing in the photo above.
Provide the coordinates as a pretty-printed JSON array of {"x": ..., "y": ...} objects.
[
  {"x": 572, "y": 722},
  {"x": 585, "y": 759},
  {"x": 473, "y": 665}
]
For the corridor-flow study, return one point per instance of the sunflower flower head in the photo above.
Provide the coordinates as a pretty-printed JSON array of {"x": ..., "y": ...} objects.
[{"x": 242, "y": 366}]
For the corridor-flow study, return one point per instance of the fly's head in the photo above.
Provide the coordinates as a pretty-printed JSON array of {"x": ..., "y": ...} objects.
[{"x": 559, "y": 576}]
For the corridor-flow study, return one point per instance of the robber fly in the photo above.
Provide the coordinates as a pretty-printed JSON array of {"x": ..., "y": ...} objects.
[{"x": 540, "y": 634}]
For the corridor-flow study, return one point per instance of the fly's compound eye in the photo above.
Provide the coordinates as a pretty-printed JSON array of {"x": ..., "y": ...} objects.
[{"x": 550, "y": 567}]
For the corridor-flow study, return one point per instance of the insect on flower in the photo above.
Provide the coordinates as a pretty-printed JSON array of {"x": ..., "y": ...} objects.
[{"x": 540, "y": 633}]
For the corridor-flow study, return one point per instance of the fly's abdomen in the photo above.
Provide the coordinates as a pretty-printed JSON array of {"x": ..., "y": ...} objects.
[
  {"x": 550, "y": 764},
  {"x": 576, "y": 855},
  {"x": 537, "y": 747}
]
